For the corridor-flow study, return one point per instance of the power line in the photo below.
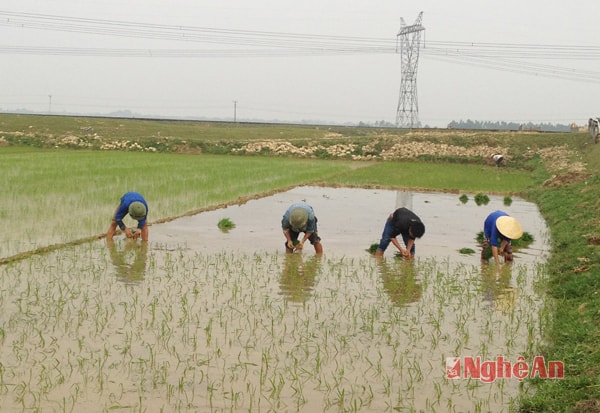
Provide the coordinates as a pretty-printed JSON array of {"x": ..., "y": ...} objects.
[
  {"x": 188, "y": 33},
  {"x": 289, "y": 41},
  {"x": 508, "y": 57},
  {"x": 180, "y": 53},
  {"x": 527, "y": 68}
]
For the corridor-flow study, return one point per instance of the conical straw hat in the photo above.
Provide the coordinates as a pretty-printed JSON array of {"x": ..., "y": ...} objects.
[{"x": 509, "y": 227}]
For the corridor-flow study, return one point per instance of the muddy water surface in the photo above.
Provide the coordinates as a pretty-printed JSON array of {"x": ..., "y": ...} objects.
[
  {"x": 350, "y": 220},
  {"x": 200, "y": 320}
]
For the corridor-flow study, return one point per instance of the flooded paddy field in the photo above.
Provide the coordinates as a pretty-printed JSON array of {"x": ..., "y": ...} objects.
[
  {"x": 201, "y": 320},
  {"x": 350, "y": 220}
]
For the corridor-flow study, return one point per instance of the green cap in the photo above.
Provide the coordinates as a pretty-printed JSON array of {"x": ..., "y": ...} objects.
[
  {"x": 298, "y": 218},
  {"x": 137, "y": 210}
]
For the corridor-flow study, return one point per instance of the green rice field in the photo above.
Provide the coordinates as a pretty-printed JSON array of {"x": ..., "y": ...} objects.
[{"x": 169, "y": 325}]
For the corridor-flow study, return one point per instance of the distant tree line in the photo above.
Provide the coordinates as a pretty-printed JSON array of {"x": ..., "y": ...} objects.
[
  {"x": 477, "y": 124},
  {"x": 501, "y": 125},
  {"x": 376, "y": 124}
]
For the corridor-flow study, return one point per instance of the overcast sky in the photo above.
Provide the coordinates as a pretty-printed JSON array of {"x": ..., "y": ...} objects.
[{"x": 319, "y": 60}]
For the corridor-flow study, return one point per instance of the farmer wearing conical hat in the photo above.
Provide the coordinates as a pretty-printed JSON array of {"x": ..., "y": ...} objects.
[
  {"x": 134, "y": 204},
  {"x": 499, "y": 229},
  {"x": 298, "y": 218}
]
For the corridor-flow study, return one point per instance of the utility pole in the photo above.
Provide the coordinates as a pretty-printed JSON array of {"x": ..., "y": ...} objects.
[
  {"x": 234, "y": 111},
  {"x": 407, "y": 115},
  {"x": 49, "y": 103}
]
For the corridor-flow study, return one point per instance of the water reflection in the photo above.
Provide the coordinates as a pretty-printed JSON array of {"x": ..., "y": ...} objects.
[
  {"x": 451, "y": 224},
  {"x": 129, "y": 262},
  {"x": 496, "y": 287},
  {"x": 298, "y": 276},
  {"x": 399, "y": 281}
]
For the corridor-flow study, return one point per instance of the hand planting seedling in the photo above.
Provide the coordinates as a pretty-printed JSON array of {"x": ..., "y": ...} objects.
[
  {"x": 294, "y": 245},
  {"x": 297, "y": 245}
]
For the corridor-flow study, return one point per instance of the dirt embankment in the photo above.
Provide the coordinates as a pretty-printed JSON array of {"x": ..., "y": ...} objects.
[
  {"x": 564, "y": 165},
  {"x": 380, "y": 146}
]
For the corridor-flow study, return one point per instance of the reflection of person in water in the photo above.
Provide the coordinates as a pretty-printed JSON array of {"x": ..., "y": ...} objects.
[
  {"x": 298, "y": 276},
  {"x": 495, "y": 286},
  {"x": 129, "y": 272},
  {"x": 399, "y": 282}
]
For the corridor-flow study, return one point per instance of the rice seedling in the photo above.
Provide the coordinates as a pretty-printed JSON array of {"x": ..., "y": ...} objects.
[
  {"x": 372, "y": 248},
  {"x": 481, "y": 199},
  {"x": 39, "y": 184},
  {"x": 226, "y": 225},
  {"x": 240, "y": 331},
  {"x": 289, "y": 386},
  {"x": 552, "y": 200}
]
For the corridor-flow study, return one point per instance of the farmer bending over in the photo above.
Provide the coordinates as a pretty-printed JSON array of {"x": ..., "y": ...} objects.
[
  {"x": 298, "y": 218},
  {"x": 401, "y": 222},
  {"x": 134, "y": 204},
  {"x": 498, "y": 230}
]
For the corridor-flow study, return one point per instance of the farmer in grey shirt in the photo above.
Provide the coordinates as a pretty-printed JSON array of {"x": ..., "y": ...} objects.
[{"x": 298, "y": 218}]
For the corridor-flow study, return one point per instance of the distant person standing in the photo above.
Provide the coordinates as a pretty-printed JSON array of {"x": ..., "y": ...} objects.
[
  {"x": 498, "y": 230},
  {"x": 134, "y": 204},
  {"x": 298, "y": 218},
  {"x": 401, "y": 222}
]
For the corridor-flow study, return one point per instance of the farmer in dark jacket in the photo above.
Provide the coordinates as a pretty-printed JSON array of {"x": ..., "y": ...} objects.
[{"x": 401, "y": 222}]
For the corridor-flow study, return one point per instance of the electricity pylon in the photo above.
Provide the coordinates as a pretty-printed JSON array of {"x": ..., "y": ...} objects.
[{"x": 407, "y": 115}]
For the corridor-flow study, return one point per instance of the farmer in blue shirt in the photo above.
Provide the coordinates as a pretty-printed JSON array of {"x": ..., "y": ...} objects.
[
  {"x": 401, "y": 222},
  {"x": 134, "y": 204},
  {"x": 498, "y": 230},
  {"x": 298, "y": 218}
]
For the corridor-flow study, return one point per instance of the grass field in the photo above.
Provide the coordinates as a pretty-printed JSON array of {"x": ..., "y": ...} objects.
[{"x": 56, "y": 195}]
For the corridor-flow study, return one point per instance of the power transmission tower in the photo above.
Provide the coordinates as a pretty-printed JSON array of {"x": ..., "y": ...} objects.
[{"x": 407, "y": 115}]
